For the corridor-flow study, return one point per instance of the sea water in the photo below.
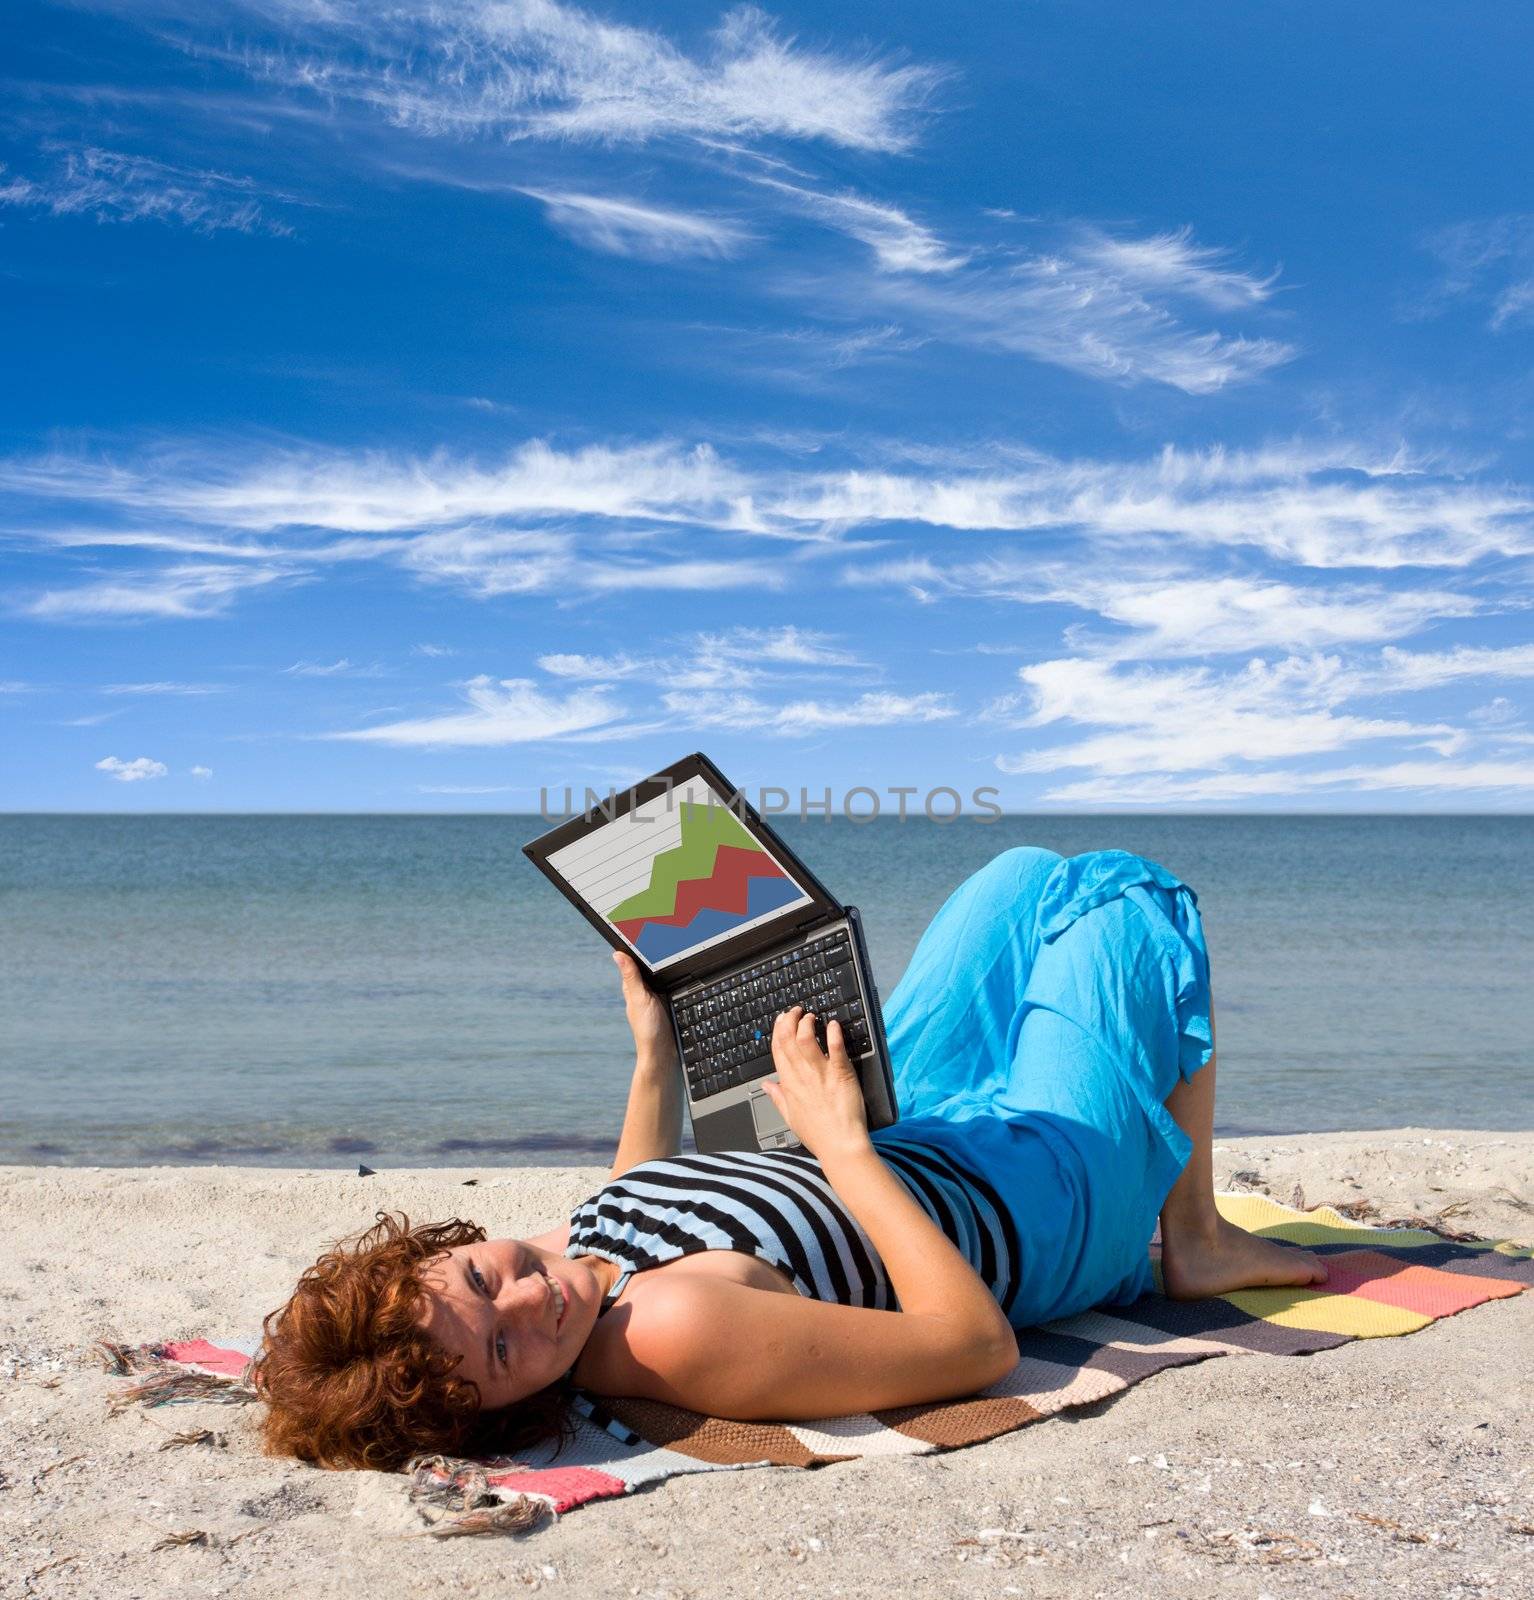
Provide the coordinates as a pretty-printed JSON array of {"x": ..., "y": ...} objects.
[{"x": 320, "y": 990}]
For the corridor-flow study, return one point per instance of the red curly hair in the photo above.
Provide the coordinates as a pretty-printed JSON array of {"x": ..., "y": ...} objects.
[{"x": 351, "y": 1379}]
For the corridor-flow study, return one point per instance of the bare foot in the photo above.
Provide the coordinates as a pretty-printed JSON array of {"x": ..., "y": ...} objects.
[{"x": 1195, "y": 1268}]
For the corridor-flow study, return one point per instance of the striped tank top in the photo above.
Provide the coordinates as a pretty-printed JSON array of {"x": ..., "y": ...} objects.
[{"x": 778, "y": 1206}]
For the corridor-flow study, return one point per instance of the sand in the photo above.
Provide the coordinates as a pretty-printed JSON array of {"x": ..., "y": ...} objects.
[{"x": 1387, "y": 1467}]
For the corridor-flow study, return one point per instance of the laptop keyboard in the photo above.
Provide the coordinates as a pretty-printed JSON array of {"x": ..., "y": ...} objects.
[{"x": 726, "y": 1026}]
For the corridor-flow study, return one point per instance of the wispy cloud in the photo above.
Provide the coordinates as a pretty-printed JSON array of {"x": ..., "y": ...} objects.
[
  {"x": 201, "y": 774},
  {"x": 538, "y": 69},
  {"x": 1337, "y": 505},
  {"x": 1183, "y": 616},
  {"x": 111, "y": 186},
  {"x": 1160, "y": 614},
  {"x": 1190, "y": 718},
  {"x": 195, "y": 689},
  {"x": 1119, "y": 309},
  {"x": 735, "y": 658},
  {"x": 1329, "y": 505},
  {"x": 601, "y": 669},
  {"x": 1087, "y": 317},
  {"x": 140, "y": 770},
  {"x": 623, "y": 576},
  {"x": 711, "y": 681},
  {"x": 1172, "y": 263},
  {"x": 1430, "y": 669},
  {"x": 342, "y": 668},
  {"x": 184, "y": 592},
  {"x": 739, "y": 658},
  {"x": 648, "y": 233},
  {"x": 702, "y": 709},
  {"x": 899, "y": 243},
  {"x": 1512, "y": 781},
  {"x": 1489, "y": 262},
  {"x": 376, "y": 492},
  {"x": 1172, "y": 734},
  {"x": 610, "y": 518},
  {"x": 491, "y": 563},
  {"x": 504, "y": 712}
]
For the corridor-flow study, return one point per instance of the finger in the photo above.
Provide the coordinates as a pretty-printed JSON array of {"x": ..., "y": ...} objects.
[
  {"x": 782, "y": 1036},
  {"x": 805, "y": 1032},
  {"x": 836, "y": 1044}
]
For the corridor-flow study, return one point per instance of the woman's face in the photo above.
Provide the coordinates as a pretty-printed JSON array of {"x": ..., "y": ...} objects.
[{"x": 518, "y": 1316}]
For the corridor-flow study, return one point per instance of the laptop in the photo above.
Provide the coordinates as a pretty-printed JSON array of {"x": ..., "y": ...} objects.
[{"x": 730, "y": 928}]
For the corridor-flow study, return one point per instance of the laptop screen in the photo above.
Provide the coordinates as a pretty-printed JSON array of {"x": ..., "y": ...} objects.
[{"x": 677, "y": 874}]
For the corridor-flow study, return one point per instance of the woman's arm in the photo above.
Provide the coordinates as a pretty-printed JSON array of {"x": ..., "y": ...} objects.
[
  {"x": 751, "y": 1354},
  {"x": 818, "y": 1093},
  {"x": 727, "y": 1350},
  {"x": 652, "y": 1123},
  {"x": 734, "y": 1351}
]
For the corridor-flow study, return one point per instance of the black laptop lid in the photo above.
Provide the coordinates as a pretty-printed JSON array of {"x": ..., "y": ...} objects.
[{"x": 682, "y": 872}]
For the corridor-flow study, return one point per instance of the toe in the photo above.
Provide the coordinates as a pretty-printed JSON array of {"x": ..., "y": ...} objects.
[{"x": 1315, "y": 1267}]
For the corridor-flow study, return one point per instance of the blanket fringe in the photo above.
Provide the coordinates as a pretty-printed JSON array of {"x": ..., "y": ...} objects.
[
  {"x": 174, "y": 1388},
  {"x": 123, "y": 1360},
  {"x": 520, "y": 1515},
  {"x": 166, "y": 1383},
  {"x": 452, "y": 1484}
]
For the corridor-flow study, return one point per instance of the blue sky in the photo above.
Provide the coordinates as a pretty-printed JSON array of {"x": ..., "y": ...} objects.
[{"x": 1116, "y": 406}]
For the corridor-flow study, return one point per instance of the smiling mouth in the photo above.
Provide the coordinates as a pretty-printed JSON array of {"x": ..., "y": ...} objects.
[{"x": 562, "y": 1303}]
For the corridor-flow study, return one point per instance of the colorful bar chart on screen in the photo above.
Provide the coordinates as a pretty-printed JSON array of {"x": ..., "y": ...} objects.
[{"x": 677, "y": 874}]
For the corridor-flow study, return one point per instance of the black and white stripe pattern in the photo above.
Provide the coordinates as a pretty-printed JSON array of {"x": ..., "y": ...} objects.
[{"x": 778, "y": 1206}]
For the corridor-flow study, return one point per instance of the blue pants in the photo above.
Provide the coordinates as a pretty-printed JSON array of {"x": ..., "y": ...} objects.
[{"x": 1049, "y": 1009}]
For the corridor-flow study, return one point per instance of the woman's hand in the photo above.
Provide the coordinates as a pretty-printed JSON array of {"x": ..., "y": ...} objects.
[
  {"x": 649, "y": 1021},
  {"x": 817, "y": 1091}
]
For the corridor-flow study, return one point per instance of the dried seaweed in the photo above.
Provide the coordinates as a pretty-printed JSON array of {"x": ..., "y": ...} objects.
[
  {"x": 1269, "y": 1545},
  {"x": 48, "y": 1566},
  {"x": 1396, "y": 1529},
  {"x": 1367, "y": 1211},
  {"x": 1247, "y": 1182},
  {"x": 192, "y": 1436},
  {"x": 185, "y": 1536}
]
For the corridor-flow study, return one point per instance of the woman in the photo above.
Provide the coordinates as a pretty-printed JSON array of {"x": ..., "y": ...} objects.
[{"x": 1053, "y": 1048}]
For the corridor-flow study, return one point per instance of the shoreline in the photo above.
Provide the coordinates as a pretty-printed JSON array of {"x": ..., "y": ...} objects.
[
  {"x": 1386, "y": 1466},
  {"x": 559, "y": 1157}
]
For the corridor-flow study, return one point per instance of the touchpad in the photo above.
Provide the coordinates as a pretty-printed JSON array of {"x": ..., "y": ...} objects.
[{"x": 772, "y": 1132}]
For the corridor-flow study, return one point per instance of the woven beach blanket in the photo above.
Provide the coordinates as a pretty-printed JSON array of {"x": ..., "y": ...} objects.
[{"x": 1383, "y": 1282}]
